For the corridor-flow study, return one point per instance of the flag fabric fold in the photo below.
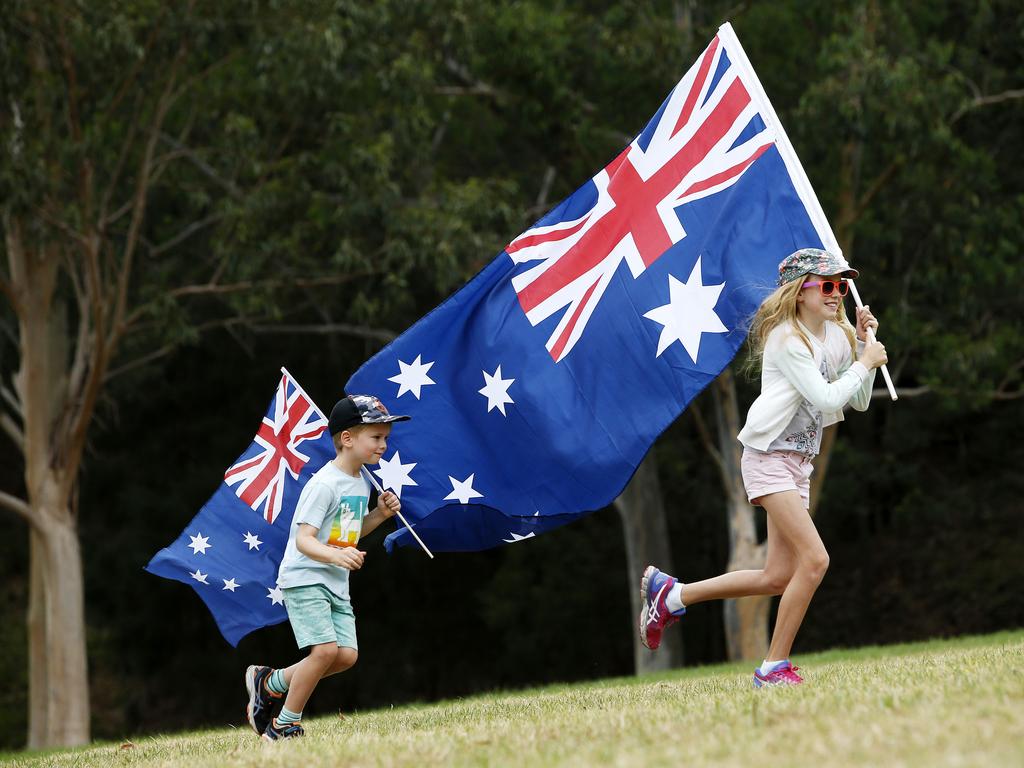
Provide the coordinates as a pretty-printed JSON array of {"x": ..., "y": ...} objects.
[
  {"x": 231, "y": 550},
  {"x": 538, "y": 387}
]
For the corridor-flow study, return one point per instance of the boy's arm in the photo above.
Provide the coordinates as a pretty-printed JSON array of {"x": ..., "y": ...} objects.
[
  {"x": 388, "y": 506},
  {"x": 308, "y": 544}
]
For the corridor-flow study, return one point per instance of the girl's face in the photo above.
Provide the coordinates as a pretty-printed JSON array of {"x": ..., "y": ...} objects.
[{"x": 812, "y": 304}]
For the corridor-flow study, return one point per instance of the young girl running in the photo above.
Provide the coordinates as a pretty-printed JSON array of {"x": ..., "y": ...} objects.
[{"x": 813, "y": 362}]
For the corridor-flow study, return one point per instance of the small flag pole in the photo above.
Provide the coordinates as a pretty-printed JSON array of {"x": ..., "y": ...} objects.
[
  {"x": 871, "y": 337},
  {"x": 373, "y": 481}
]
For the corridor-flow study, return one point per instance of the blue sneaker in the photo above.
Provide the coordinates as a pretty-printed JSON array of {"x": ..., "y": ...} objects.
[
  {"x": 655, "y": 615},
  {"x": 260, "y": 709},
  {"x": 277, "y": 732}
]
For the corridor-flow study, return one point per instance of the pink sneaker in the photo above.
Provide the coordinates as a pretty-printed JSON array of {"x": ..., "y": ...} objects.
[
  {"x": 655, "y": 615},
  {"x": 784, "y": 675}
]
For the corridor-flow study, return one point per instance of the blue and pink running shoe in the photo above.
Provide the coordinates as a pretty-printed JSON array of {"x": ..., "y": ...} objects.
[
  {"x": 655, "y": 615},
  {"x": 784, "y": 675}
]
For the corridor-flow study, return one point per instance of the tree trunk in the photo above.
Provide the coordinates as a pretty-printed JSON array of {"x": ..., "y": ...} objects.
[
  {"x": 59, "y": 698},
  {"x": 641, "y": 507},
  {"x": 67, "y": 692},
  {"x": 36, "y": 624},
  {"x": 745, "y": 618}
]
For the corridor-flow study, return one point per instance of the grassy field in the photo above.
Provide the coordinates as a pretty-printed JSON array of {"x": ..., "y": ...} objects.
[{"x": 943, "y": 703}]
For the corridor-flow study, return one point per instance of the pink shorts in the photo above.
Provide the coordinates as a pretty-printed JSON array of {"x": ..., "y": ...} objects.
[{"x": 775, "y": 471}]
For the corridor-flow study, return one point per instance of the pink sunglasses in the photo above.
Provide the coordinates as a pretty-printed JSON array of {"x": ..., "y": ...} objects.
[{"x": 828, "y": 287}]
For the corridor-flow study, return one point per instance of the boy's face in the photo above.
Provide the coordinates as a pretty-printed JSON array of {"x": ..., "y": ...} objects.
[{"x": 368, "y": 444}]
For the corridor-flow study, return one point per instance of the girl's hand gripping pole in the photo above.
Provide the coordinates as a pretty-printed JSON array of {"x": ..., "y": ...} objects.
[{"x": 871, "y": 337}]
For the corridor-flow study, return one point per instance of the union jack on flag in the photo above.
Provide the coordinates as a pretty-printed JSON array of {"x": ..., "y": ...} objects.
[
  {"x": 258, "y": 476},
  {"x": 706, "y": 134}
]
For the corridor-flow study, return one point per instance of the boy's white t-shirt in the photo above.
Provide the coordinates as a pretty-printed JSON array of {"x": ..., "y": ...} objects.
[{"x": 335, "y": 503}]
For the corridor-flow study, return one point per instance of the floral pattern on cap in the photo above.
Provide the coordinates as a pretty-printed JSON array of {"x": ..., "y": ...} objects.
[{"x": 808, "y": 261}]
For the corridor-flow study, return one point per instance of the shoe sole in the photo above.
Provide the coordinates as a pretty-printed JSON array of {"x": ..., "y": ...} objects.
[
  {"x": 250, "y": 686},
  {"x": 642, "y": 622}
]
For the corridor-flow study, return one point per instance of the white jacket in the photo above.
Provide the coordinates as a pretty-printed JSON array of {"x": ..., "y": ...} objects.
[{"x": 790, "y": 374}]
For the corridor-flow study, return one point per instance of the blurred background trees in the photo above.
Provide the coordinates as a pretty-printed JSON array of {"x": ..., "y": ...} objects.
[{"x": 204, "y": 193}]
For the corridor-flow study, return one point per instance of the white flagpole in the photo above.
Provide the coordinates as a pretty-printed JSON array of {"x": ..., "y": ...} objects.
[
  {"x": 871, "y": 337},
  {"x": 796, "y": 170},
  {"x": 373, "y": 481}
]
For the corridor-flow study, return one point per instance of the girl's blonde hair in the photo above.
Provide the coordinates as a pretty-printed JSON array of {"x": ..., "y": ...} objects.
[{"x": 780, "y": 308}]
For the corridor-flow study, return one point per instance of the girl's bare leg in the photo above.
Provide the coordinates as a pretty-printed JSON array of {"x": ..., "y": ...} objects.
[
  {"x": 779, "y": 565},
  {"x": 794, "y": 526}
]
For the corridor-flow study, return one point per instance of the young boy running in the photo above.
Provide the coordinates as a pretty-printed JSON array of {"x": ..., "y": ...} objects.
[{"x": 330, "y": 517}]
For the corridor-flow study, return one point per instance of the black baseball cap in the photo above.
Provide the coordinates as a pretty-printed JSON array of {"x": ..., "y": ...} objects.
[{"x": 359, "y": 409}]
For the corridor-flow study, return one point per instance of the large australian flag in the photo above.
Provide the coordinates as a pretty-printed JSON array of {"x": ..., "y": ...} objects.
[
  {"x": 537, "y": 388},
  {"x": 230, "y": 552}
]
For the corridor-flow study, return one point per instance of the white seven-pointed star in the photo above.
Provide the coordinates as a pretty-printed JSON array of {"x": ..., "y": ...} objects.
[
  {"x": 230, "y": 585},
  {"x": 689, "y": 313},
  {"x": 199, "y": 576},
  {"x": 412, "y": 377},
  {"x": 394, "y": 474},
  {"x": 496, "y": 390},
  {"x": 275, "y": 595},
  {"x": 200, "y": 543},
  {"x": 516, "y": 537},
  {"x": 463, "y": 490},
  {"x": 253, "y": 541}
]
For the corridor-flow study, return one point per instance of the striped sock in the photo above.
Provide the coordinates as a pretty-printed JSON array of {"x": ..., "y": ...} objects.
[
  {"x": 287, "y": 717},
  {"x": 276, "y": 682}
]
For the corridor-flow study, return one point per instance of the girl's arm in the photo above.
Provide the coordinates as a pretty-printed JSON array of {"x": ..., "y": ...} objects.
[
  {"x": 795, "y": 362},
  {"x": 865, "y": 321},
  {"x": 862, "y": 397}
]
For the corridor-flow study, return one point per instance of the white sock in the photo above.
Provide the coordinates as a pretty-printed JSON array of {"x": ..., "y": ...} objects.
[
  {"x": 674, "y": 601},
  {"x": 770, "y": 666}
]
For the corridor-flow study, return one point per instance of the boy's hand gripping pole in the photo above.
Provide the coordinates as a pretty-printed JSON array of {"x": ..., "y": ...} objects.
[
  {"x": 871, "y": 337},
  {"x": 375, "y": 484}
]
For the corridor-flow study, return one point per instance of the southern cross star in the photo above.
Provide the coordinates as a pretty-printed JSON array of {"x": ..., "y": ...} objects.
[
  {"x": 199, "y": 543},
  {"x": 394, "y": 474},
  {"x": 412, "y": 377},
  {"x": 463, "y": 490},
  {"x": 496, "y": 390}
]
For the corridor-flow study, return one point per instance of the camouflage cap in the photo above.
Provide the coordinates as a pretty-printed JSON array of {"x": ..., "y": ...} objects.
[
  {"x": 815, "y": 261},
  {"x": 359, "y": 409}
]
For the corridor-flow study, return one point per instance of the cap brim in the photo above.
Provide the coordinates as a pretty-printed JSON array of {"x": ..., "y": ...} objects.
[{"x": 392, "y": 418}]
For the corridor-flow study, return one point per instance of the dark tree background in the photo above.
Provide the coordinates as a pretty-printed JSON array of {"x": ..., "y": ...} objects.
[{"x": 348, "y": 165}]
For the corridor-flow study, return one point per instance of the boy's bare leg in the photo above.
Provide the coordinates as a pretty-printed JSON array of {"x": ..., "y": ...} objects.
[
  {"x": 303, "y": 676},
  {"x": 779, "y": 565},
  {"x": 794, "y": 526}
]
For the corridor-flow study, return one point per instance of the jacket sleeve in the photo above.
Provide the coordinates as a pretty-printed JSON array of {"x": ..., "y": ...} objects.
[
  {"x": 795, "y": 362},
  {"x": 862, "y": 397}
]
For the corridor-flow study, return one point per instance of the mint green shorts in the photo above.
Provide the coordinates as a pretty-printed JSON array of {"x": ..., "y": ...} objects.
[{"x": 319, "y": 616}]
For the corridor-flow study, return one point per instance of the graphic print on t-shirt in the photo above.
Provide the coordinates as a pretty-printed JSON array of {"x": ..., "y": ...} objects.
[{"x": 348, "y": 521}]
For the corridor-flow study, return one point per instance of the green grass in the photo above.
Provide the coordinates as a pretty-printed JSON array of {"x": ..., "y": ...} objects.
[{"x": 942, "y": 703}]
